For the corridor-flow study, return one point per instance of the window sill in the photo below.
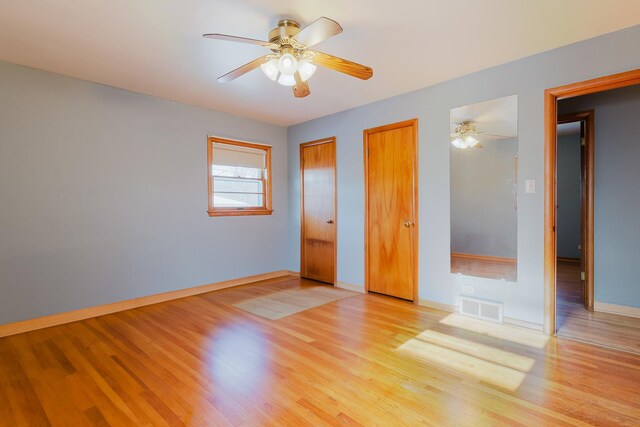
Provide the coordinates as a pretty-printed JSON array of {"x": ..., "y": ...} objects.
[{"x": 240, "y": 212}]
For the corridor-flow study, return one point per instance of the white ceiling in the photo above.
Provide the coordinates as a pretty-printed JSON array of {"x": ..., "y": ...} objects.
[{"x": 155, "y": 46}]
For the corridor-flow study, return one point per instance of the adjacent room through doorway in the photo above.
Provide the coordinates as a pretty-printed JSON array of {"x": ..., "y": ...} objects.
[{"x": 597, "y": 234}]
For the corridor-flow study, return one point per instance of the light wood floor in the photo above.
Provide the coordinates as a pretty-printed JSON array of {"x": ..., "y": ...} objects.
[
  {"x": 363, "y": 360},
  {"x": 489, "y": 269},
  {"x": 576, "y": 322}
]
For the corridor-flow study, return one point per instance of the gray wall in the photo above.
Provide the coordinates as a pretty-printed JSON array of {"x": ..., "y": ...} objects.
[
  {"x": 483, "y": 199},
  {"x": 528, "y": 78},
  {"x": 617, "y": 193},
  {"x": 568, "y": 219},
  {"x": 104, "y": 196}
]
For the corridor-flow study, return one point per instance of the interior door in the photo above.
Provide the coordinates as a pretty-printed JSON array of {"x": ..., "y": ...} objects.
[
  {"x": 318, "y": 216},
  {"x": 391, "y": 209}
]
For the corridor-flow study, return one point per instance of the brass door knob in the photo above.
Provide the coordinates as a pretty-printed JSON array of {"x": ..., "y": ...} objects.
[
  {"x": 407, "y": 223},
  {"x": 329, "y": 221}
]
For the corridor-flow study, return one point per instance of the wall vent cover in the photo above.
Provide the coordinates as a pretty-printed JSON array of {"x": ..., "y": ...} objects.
[{"x": 481, "y": 309}]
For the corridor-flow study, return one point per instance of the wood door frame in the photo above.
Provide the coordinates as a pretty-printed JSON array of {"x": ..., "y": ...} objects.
[
  {"x": 551, "y": 97},
  {"x": 586, "y": 195},
  {"x": 329, "y": 140},
  {"x": 414, "y": 124}
]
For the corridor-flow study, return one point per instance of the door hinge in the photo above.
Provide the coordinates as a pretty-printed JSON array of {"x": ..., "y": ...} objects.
[
  {"x": 583, "y": 276},
  {"x": 582, "y": 142}
]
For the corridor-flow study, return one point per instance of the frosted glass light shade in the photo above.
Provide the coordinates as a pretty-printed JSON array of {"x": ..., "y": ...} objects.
[
  {"x": 270, "y": 69},
  {"x": 470, "y": 141},
  {"x": 464, "y": 142},
  {"x": 459, "y": 143},
  {"x": 286, "y": 79},
  {"x": 306, "y": 69},
  {"x": 287, "y": 64}
]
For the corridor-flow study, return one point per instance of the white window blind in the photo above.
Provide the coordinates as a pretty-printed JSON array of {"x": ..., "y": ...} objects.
[
  {"x": 238, "y": 176},
  {"x": 233, "y": 155}
]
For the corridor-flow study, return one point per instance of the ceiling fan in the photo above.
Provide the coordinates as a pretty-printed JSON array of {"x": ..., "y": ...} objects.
[
  {"x": 292, "y": 63},
  {"x": 466, "y": 136}
]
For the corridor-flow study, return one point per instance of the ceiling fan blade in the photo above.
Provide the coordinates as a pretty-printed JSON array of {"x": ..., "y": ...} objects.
[
  {"x": 237, "y": 39},
  {"x": 301, "y": 89},
  {"x": 493, "y": 134},
  {"x": 319, "y": 30},
  {"x": 342, "y": 65},
  {"x": 232, "y": 75}
]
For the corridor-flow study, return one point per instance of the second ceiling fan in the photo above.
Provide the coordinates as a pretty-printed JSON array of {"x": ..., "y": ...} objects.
[{"x": 291, "y": 62}]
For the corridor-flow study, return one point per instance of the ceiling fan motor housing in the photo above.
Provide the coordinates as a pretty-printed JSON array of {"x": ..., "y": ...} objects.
[{"x": 286, "y": 29}]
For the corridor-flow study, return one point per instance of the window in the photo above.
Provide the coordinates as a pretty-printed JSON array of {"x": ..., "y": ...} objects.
[{"x": 239, "y": 178}]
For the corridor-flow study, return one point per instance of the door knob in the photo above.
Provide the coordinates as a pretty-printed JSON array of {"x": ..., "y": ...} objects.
[
  {"x": 407, "y": 223},
  {"x": 329, "y": 221}
]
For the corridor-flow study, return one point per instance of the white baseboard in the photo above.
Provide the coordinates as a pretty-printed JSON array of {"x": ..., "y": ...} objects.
[
  {"x": 100, "y": 310},
  {"x": 438, "y": 306},
  {"x": 621, "y": 310},
  {"x": 350, "y": 287},
  {"x": 523, "y": 324},
  {"x": 516, "y": 323}
]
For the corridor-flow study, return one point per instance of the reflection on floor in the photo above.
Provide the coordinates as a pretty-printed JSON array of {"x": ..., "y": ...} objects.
[
  {"x": 576, "y": 322},
  {"x": 487, "y": 268},
  {"x": 363, "y": 360}
]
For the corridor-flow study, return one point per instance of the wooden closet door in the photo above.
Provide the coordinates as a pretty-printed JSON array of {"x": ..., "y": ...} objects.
[
  {"x": 318, "y": 216},
  {"x": 391, "y": 210}
]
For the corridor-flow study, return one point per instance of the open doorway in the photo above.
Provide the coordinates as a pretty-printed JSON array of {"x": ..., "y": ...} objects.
[{"x": 592, "y": 200}]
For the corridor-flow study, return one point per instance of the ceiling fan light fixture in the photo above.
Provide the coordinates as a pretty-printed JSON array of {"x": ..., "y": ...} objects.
[
  {"x": 287, "y": 79},
  {"x": 291, "y": 62},
  {"x": 463, "y": 136},
  {"x": 287, "y": 64},
  {"x": 270, "y": 69},
  {"x": 306, "y": 69}
]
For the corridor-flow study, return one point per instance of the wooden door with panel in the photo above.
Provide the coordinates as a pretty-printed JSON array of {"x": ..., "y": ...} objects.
[
  {"x": 318, "y": 210},
  {"x": 391, "y": 210}
]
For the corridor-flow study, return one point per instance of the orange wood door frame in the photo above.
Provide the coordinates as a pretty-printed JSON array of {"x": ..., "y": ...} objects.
[
  {"x": 334, "y": 224},
  {"x": 413, "y": 123},
  {"x": 551, "y": 97},
  {"x": 586, "y": 196}
]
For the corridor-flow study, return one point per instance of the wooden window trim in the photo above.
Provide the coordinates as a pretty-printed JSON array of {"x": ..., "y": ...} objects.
[{"x": 266, "y": 180}]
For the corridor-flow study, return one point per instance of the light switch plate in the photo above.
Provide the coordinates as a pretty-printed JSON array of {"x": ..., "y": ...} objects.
[{"x": 530, "y": 186}]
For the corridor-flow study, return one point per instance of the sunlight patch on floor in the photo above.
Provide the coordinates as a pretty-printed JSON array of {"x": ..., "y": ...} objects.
[
  {"x": 495, "y": 330},
  {"x": 286, "y": 302},
  {"x": 483, "y": 370},
  {"x": 480, "y": 351},
  {"x": 482, "y": 362}
]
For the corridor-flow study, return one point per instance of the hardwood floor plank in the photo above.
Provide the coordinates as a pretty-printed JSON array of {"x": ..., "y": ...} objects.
[{"x": 23, "y": 401}]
